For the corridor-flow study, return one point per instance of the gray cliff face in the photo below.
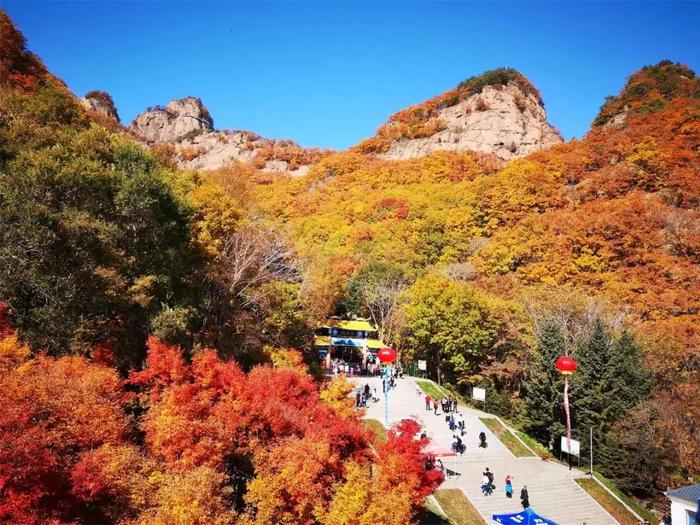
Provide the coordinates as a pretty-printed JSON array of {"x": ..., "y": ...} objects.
[
  {"x": 100, "y": 102},
  {"x": 180, "y": 118},
  {"x": 502, "y": 120},
  {"x": 185, "y": 124}
]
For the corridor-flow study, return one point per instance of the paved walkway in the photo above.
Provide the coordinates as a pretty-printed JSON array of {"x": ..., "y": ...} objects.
[{"x": 551, "y": 486}]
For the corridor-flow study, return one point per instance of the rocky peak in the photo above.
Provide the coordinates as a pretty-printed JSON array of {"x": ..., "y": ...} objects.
[
  {"x": 101, "y": 103},
  {"x": 185, "y": 128},
  {"x": 181, "y": 118},
  {"x": 499, "y": 112}
]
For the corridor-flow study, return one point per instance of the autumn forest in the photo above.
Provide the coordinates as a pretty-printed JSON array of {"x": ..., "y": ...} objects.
[{"x": 156, "y": 323}]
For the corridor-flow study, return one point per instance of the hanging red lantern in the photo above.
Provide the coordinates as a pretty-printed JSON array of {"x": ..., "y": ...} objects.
[
  {"x": 566, "y": 365},
  {"x": 387, "y": 355}
]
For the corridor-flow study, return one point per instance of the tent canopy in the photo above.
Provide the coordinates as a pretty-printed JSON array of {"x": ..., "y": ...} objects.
[{"x": 525, "y": 517}]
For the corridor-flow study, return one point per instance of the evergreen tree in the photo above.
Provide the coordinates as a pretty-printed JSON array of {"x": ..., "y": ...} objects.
[
  {"x": 630, "y": 384},
  {"x": 592, "y": 385},
  {"x": 629, "y": 379},
  {"x": 610, "y": 381},
  {"x": 544, "y": 418}
]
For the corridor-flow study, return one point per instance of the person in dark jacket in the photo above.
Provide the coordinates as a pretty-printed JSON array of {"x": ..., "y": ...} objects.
[{"x": 524, "y": 497}]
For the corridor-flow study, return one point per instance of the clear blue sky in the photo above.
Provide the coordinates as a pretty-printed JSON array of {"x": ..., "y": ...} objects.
[{"x": 327, "y": 74}]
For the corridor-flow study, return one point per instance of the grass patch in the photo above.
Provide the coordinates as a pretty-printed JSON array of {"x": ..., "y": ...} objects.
[
  {"x": 639, "y": 509},
  {"x": 508, "y": 439},
  {"x": 458, "y": 508},
  {"x": 616, "y": 510},
  {"x": 430, "y": 515},
  {"x": 377, "y": 427},
  {"x": 431, "y": 389},
  {"x": 535, "y": 445}
]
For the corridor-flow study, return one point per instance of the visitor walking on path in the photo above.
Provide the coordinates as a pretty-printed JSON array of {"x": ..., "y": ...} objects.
[
  {"x": 427, "y": 402},
  {"x": 509, "y": 487},
  {"x": 489, "y": 475},
  {"x": 485, "y": 485},
  {"x": 435, "y": 406},
  {"x": 524, "y": 497}
]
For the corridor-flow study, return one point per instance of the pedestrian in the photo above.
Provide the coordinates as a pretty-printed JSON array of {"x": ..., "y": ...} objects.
[
  {"x": 435, "y": 406},
  {"x": 482, "y": 440},
  {"x": 460, "y": 446},
  {"x": 428, "y": 404},
  {"x": 460, "y": 426},
  {"x": 452, "y": 423},
  {"x": 358, "y": 400},
  {"x": 485, "y": 485},
  {"x": 509, "y": 487},
  {"x": 489, "y": 475},
  {"x": 524, "y": 497}
]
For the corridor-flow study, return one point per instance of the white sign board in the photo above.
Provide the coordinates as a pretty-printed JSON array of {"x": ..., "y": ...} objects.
[
  {"x": 422, "y": 365},
  {"x": 479, "y": 394},
  {"x": 575, "y": 447}
]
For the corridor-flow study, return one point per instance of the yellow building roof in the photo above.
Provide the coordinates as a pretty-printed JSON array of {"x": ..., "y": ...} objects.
[{"x": 348, "y": 325}]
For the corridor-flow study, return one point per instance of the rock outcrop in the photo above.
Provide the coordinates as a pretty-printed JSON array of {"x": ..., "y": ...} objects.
[
  {"x": 186, "y": 126},
  {"x": 500, "y": 112},
  {"x": 181, "y": 118},
  {"x": 101, "y": 103}
]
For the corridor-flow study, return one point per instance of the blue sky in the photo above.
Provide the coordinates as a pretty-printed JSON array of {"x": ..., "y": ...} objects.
[{"x": 328, "y": 74}]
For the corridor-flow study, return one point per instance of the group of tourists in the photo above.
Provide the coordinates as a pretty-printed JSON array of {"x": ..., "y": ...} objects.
[
  {"x": 487, "y": 487},
  {"x": 454, "y": 420},
  {"x": 364, "y": 396},
  {"x": 447, "y": 404}
]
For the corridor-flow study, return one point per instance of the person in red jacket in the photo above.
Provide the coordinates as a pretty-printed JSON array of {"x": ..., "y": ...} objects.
[{"x": 427, "y": 403}]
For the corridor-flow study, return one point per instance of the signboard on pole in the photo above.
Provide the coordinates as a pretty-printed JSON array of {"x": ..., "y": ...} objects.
[
  {"x": 422, "y": 365},
  {"x": 479, "y": 393},
  {"x": 575, "y": 447}
]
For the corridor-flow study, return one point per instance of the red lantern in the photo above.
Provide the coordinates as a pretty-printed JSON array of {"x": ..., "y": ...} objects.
[
  {"x": 387, "y": 355},
  {"x": 566, "y": 365}
]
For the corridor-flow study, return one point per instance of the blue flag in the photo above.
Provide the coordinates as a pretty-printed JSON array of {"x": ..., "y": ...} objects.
[{"x": 525, "y": 517}]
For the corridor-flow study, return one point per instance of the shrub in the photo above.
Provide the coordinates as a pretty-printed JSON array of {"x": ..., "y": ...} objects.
[{"x": 481, "y": 105}]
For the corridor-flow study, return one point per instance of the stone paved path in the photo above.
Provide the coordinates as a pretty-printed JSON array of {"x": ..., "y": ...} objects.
[{"x": 551, "y": 486}]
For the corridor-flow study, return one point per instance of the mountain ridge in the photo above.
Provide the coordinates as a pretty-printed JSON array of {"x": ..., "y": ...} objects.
[{"x": 499, "y": 112}]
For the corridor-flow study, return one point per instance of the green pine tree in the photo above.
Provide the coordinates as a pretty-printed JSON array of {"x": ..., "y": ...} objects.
[{"x": 544, "y": 418}]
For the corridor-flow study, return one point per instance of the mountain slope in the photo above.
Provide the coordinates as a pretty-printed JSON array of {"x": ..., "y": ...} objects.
[
  {"x": 609, "y": 223},
  {"x": 498, "y": 112}
]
